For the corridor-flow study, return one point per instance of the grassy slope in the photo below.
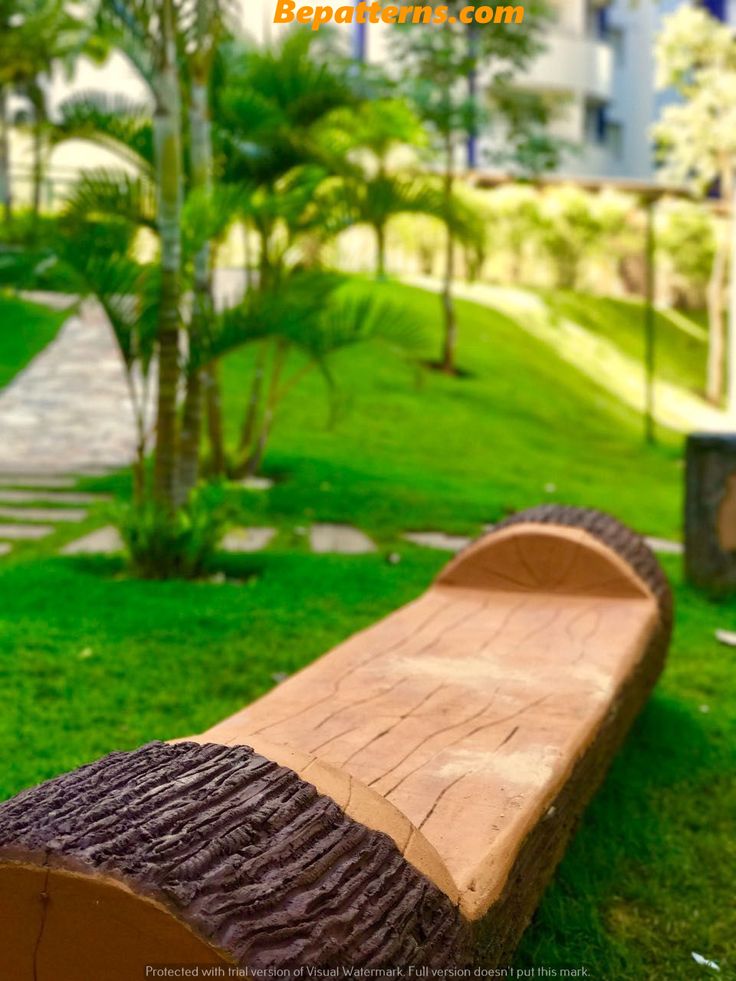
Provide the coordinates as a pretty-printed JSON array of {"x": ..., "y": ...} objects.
[
  {"x": 25, "y": 329},
  {"x": 457, "y": 454},
  {"x": 680, "y": 357},
  {"x": 92, "y": 661}
]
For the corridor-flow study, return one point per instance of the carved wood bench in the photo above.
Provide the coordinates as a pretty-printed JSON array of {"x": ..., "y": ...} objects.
[{"x": 402, "y": 801}]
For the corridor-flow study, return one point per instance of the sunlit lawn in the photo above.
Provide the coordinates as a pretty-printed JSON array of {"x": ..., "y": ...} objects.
[{"x": 94, "y": 661}]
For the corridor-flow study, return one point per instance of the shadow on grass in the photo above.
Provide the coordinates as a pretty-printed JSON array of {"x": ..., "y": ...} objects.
[{"x": 637, "y": 840}]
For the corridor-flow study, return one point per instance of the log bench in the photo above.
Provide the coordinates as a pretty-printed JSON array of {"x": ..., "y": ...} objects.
[{"x": 403, "y": 801}]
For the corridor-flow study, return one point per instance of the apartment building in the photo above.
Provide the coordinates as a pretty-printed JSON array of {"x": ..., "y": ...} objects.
[{"x": 598, "y": 63}]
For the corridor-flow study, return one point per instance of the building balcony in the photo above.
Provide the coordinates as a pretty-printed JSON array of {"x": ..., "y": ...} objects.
[{"x": 574, "y": 64}]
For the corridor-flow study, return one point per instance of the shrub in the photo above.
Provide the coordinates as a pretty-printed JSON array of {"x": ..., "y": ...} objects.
[{"x": 162, "y": 545}]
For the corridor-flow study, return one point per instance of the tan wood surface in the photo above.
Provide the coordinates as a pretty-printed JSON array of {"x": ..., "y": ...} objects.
[{"x": 453, "y": 723}]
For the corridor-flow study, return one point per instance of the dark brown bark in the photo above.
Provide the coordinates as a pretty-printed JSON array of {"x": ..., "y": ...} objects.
[{"x": 241, "y": 850}]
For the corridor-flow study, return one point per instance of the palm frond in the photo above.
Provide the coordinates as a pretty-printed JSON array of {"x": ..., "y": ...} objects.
[
  {"x": 114, "y": 195},
  {"x": 114, "y": 122}
]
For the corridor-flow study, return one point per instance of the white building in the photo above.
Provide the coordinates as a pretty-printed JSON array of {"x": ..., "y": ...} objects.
[{"x": 598, "y": 60}]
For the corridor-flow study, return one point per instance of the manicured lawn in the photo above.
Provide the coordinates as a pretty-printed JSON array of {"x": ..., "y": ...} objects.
[
  {"x": 93, "y": 661},
  {"x": 680, "y": 355},
  {"x": 456, "y": 454},
  {"x": 25, "y": 329}
]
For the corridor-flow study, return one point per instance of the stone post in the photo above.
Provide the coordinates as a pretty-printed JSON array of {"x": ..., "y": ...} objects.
[{"x": 710, "y": 511}]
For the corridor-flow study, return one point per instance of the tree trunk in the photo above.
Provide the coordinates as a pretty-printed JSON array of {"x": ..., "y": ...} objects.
[
  {"x": 5, "y": 185},
  {"x": 255, "y": 459},
  {"x": 254, "y": 400},
  {"x": 37, "y": 98},
  {"x": 380, "y": 251},
  {"x": 167, "y": 127},
  {"x": 215, "y": 433},
  {"x": 448, "y": 304},
  {"x": 716, "y": 326},
  {"x": 191, "y": 431},
  {"x": 203, "y": 305}
]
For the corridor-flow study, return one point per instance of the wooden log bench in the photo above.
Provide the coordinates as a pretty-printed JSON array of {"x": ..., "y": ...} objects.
[{"x": 401, "y": 802}]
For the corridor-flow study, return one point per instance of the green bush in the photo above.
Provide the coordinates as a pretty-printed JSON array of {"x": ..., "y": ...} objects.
[{"x": 162, "y": 545}]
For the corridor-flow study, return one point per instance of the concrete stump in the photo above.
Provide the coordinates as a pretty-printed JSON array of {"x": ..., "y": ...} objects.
[
  {"x": 401, "y": 803},
  {"x": 710, "y": 511}
]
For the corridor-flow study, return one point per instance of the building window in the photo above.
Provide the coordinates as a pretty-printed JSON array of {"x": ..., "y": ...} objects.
[
  {"x": 718, "y": 8},
  {"x": 596, "y": 122},
  {"x": 597, "y": 19},
  {"x": 617, "y": 40}
]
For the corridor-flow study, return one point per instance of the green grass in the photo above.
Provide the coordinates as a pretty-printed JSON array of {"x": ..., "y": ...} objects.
[
  {"x": 25, "y": 329},
  {"x": 680, "y": 356},
  {"x": 92, "y": 660},
  {"x": 455, "y": 454}
]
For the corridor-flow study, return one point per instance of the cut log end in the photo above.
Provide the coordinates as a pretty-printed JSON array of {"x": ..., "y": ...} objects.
[
  {"x": 203, "y": 854},
  {"x": 211, "y": 853}
]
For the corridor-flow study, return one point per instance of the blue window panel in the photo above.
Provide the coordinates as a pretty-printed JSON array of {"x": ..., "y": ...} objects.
[
  {"x": 601, "y": 124},
  {"x": 717, "y": 8}
]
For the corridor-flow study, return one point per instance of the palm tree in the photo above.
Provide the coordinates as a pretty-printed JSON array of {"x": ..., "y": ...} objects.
[
  {"x": 307, "y": 319},
  {"x": 35, "y": 37},
  {"x": 145, "y": 32},
  {"x": 366, "y": 141},
  {"x": 270, "y": 104}
]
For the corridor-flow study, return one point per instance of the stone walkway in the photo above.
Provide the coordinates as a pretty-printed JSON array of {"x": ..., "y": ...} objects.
[{"x": 69, "y": 412}]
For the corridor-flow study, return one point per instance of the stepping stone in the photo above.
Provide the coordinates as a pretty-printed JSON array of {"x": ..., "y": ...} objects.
[
  {"x": 438, "y": 540},
  {"x": 248, "y": 539},
  {"x": 34, "y": 480},
  {"x": 256, "y": 483},
  {"x": 47, "y": 496},
  {"x": 340, "y": 539},
  {"x": 103, "y": 541},
  {"x": 727, "y": 637},
  {"x": 44, "y": 514},
  {"x": 19, "y": 533},
  {"x": 5, "y": 547},
  {"x": 665, "y": 547}
]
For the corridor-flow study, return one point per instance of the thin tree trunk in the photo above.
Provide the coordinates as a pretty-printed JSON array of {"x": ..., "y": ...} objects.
[
  {"x": 215, "y": 431},
  {"x": 167, "y": 124},
  {"x": 448, "y": 304},
  {"x": 254, "y": 400},
  {"x": 247, "y": 256},
  {"x": 37, "y": 169},
  {"x": 39, "y": 121},
  {"x": 191, "y": 431},
  {"x": 716, "y": 325},
  {"x": 256, "y": 458},
  {"x": 5, "y": 186},
  {"x": 203, "y": 305},
  {"x": 380, "y": 251}
]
